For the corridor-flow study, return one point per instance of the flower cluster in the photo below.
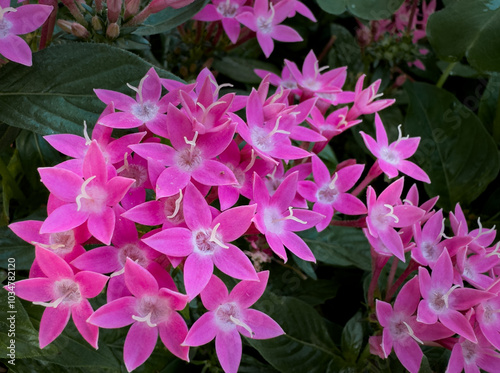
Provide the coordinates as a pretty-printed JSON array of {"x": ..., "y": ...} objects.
[{"x": 218, "y": 173}]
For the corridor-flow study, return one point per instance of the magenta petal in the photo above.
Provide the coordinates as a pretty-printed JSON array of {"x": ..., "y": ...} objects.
[
  {"x": 285, "y": 33},
  {"x": 414, "y": 171},
  {"x": 409, "y": 354},
  {"x": 263, "y": 327},
  {"x": 214, "y": 294},
  {"x": 35, "y": 289},
  {"x": 198, "y": 270},
  {"x": 53, "y": 322},
  {"x": 392, "y": 240},
  {"x": 276, "y": 245},
  {"x": 175, "y": 241},
  {"x": 456, "y": 362},
  {"x": 138, "y": 280},
  {"x": 285, "y": 193},
  {"x": 122, "y": 120},
  {"x": 228, "y": 347},
  {"x": 234, "y": 222},
  {"x": 115, "y": 314},
  {"x": 116, "y": 189},
  {"x": 233, "y": 262},
  {"x": 70, "y": 145},
  {"x": 196, "y": 212},
  {"x": 214, "y": 173},
  {"x": 64, "y": 184},
  {"x": 407, "y": 215},
  {"x": 202, "y": 331},
  {"x": 425, "y": 313},
  {"x": 64, "y": 218},
  {"x": 172, "y": 334},
  {"x": 14, "y": 48},
  {"x": 120, "y": 100},
  {"x": 308, "y": 190},
  {"x": 148, "y": 213},
  {"x": 408, "y": 297},
  {"x": 27, "y": 18},
  {"x": 28, "y": 231},
  {"x": 442, "y": 274},
  {"x": 94, "y": 164},
  {"x": 384, "y": 313},
  {"x": 162, "y": 153},
  {"x": 80, "y": 313},
  {"x": 170, "y": 181},
  {"x": 102, "y": 225},
  {"x": 139, "y": 344},
  {"x": 457, "y": 322},
  {"x": 52, "y": 265},
  {"x": 90, "y": 283},
  {"x": 102, "y": 259},
  {"x": 247, "y": 293},
  {"x": 327, "y": 211},
  {"x": 348, "y": 204}
]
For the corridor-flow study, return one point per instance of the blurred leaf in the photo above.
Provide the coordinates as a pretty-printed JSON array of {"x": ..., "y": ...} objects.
[
  {"x": 169, "y": 18},
  {"x": 352, "y": 338},
  {"x": 305, "y": 266},
  {"x": 339, "y": 246},
  {"x": 467, "y": 28},
  {"x": 373, "y": 9},
  {"x": 56, "y": 95},
  {"x": 13, "y": 247},
  {"x": 306, "y": 342},
  {"x": 459, "y": 69},
  {"x": 455, "y": 150},
  {"x": 489, "y": 108},
  {"x": 250, "y": 364},
  {"x": 345, "y": 51},
  {"x": 242, "y": 69},
  {"x": 333, "y": 6}
]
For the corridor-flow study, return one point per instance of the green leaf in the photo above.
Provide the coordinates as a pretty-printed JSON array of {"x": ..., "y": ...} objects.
[
  {"x": 242, "y": 69},
  {"x": 489, "y": 108},
  {"x": 306, "y": 342},
  {"x": 455, "y": 150},
  {"x": 13, "y": 247},
  {"x": 470, "y": 29},
  {"x": 352, "y": 338},
  {"x": 459, "y": 69},
  {"x": 169, "y": 18},
  {"x": 373, "y": 9},
  {"x": 345, "y": 51},
  {"x": 333, "y": 6},
  {"x": 55, "y": 95},
  {"x": 339, "y": 246}
]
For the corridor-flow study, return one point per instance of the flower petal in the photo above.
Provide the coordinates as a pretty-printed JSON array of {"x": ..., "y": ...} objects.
[
  {"x": 53, "y": 322},
  {"x": 115, "y": 314},
  {"x": 139, "y": 344}
]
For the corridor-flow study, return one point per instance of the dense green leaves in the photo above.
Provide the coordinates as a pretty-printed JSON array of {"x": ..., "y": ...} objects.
[
  {"x": 13, "y": 247},
  {"x": 169, "y": 18},
  {"x": 242, "y": 69},
  {"x": 56, "y": 95},
  {"x": 306, "y": 344},
  {"x": 339, "y": 246},
  {"x": 366, "y": 9},
  {"x": 455, "y": 150},
  {"x": 469, "y": 29}
]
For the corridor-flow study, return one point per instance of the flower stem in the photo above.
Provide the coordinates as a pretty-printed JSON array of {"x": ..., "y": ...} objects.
[
  {"x": 378, "y": 263},
  {"x": 445, "y": 74},
  {"x": 359, "y": 223},
  {"x": 374, "y": 172},
  {"x": 412, "y": 266}
]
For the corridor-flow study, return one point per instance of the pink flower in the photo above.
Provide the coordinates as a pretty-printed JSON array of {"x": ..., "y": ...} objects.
[
  {"x": 364, "y": 100},
  {"x": 151, "y": 311},
  {"x": 392, "y": 158},
  {"x": 265, "y": 21},
  {"x": 19, "y": 21},
  {"x": 228, "y": 316},
  {"x": 64, "y": 294},
  {"x": 205, "y": 242}
]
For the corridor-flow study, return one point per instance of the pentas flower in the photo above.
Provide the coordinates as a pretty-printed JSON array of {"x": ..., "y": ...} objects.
[
  {"x": 229, "y": 316},
  {"x": 265, "y": 19},
  {"x": 442, "y": 301},
  {"x": 488, "y": 317},
  {"x": 364, "y": 100},
  {"x": 64, "y": 294},
  {"x": 401, "y": 329},
  {"x": 386, "y": 213},
  {"x": 471, "y": 357},
  {"x": 277, "y": 219},
  {"x": 327, "y": 86},
  {"x": 151, "y": 311},
  {"x": 206, "y": 242},
  {"x": 19, "y": 21},
  {"x": 148, "y": 108},
  {"x": 89, "y": 200},
  {"x": 300, "y": 8},
  {"x": 392, "y": 158},
  {"x": 67, "y": 244},
  {"x": 286, "y": 81},
  {"x": 269, "y": 140},
  {"x": 135, "y": 167},
  {"x": 274, "y": 179},
  {"x": 226, "y": 12},
  {"x": 476, "y": 268},
  {"x": 329, "y": 193},
  {"x": 191, "y": 155}
]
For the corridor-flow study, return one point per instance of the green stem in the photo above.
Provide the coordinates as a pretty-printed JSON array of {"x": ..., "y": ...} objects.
[
  {"x": 7, "y": 177},
  {"x": 445, "y": 74}
]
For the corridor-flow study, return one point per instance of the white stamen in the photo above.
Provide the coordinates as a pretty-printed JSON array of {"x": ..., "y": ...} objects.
[
  {"x": 494, "y": 252},
  {"x": 54, "y": 304},
  {"x": 408, "y": 202},
  {"x": 207, "y": 110},
  {"x": 125, "y": 163},
  {"x": 83, "y": 193},
  {"x": 332, "y": 183},
  {"x": 213, "y": 237},
  {"x": 6, "y": 10},
  {"x": 294, "y": 218},
  {"x": 234, "y": 320},
  {"x": 276, "y": 130},
  {"x": 343, "y": 121},
  {"x": 53, "y": 246},
  {"x": 271, "y": 175},
  {"x": 323, "y": 68},
  {"x": 177, "y": 206},
  {"x": 412, "y": 334},
  {"x": 138, "y": 89},
  {"x": 252, "y": 161},
  {"x": 481, "y": 233},
  {"x": 277, "y": 95},
  {"x": 374, "y": 95},
  {"x": 445, "y": 297},
  {"x": 193, "y": 141},
  {"x": 146, "y": 319},
  {"x": 400, "y": 135},
  {"x": 117, "y": 273},
  {"x": 88, "y": 141},
  {"x": 391, "y": 213}
]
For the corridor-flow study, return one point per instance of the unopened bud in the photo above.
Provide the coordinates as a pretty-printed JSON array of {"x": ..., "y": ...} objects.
[
  {"x": 96, "y": 23},
  {"x": 158, "y": 5},
  {"x": 113, "y": 31},
  {"x": 114, "y": 10},
  {"x": 131, "y": 8},
  {"x": 79, "y": 31},
  {"x": 64, "y": 25}
]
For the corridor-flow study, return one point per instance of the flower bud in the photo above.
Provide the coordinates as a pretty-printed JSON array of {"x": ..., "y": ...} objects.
[
  {"x": 131, "y": 8},
  {"x": 96, "y": 23},
  {"x": 158, "y": 5},
  {"x": 113, "y": 31},
  {"x": 64, "y": 25},
  {"x": 114, "y": 10},
  {"x": 79, "y": 31}
]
